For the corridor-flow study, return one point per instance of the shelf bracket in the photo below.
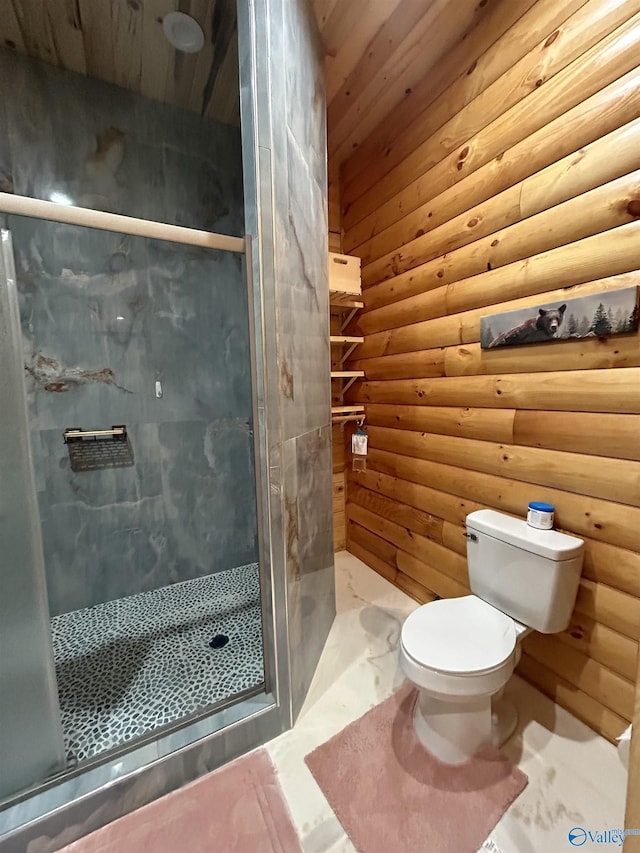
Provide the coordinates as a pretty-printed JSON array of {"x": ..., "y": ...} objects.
[
  {"x": 345, "y": 355},
  {"x": 350, "y": 317}
]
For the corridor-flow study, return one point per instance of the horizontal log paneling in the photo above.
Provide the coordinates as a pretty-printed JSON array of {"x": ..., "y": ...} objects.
[
  {"x": 503, "y": 195},
  {"x": 414, "y": 589},
  {"x": 446, "y": 229},
  {"x": 613, "y": 566},
  {"x": 448, "y": 562},
  {"x": 389, "y": 568},
  {"x": 587, "y": 391},
  {"x": 609, "y": 109},
  {"x": 486, "y": 424},
  {"x": 610, "y": 689},
  {"x": 413, "y": 40},
  {"x": 448, "y": 125},
  {"x": 406, "y": 365},
  {"x": 576, "y": 432},
  {"x": 610, "y": 606},
  {"x": 359, "y": 535},
  {"x": 465, "y": 326},
  {"x": 612, "y": 252},
  {"x": 615, "y": 436},
  {"x": 467, "y": 61},
  {"x": 451, "y": 507},
  {"x": 384, "y": 549},
  {"x": 592, "y": 353},
  {"x": 429, "y": 577},
  {"x": 580, "y": 704},
  {"x": 597, "y": 519},
  {"x": 600, "y": 477},
  {"x": 608, "y": 647},
  {"x": 470, "y": 360},
  {"x": 606, "y": 207},
  {"x": 614, "y": 57},
  {"x": 402, "y": 514}
]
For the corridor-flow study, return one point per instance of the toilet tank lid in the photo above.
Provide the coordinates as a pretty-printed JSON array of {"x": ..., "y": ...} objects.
[{"x": 546, "y": 543}]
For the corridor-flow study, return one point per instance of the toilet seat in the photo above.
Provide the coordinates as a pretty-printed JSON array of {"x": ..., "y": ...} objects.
[{"x": 459, "y": 637}]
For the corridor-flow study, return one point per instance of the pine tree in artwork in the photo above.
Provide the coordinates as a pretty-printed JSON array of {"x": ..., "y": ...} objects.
[
  {"x": 583, "y": 327},
  {"x": 632, "y": 322},
  {"x": 600, "y": 324},
  {"x": 572, "y": 325}
]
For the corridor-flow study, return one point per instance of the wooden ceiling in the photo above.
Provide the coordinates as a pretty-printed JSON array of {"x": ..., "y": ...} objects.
[
  {"x": 122, "y": 42},
  {"x": 376, "y": 53}
]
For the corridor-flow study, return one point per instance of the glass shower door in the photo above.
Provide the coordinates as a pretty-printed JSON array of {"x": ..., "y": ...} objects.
[
  {"x": 137, "y": 369},
  {"x": 31, "y": 742}
]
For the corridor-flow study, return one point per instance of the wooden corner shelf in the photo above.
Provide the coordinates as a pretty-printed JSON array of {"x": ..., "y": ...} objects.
[
  {"x": 344, "y": 302},
  {"x": 346, "y": 339},
  {"x": 345, "y": 290},
  {"x": 344, "y": 414}
]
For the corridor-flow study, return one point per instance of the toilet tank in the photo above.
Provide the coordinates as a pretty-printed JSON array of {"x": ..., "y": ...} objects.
[{"x": 532, "y": 575}]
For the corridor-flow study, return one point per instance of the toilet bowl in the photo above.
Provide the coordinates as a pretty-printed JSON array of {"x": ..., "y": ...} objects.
[{"x": 461, "y": 652}]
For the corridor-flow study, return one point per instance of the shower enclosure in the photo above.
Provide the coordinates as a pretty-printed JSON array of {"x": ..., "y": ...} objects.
[{"x": 155, "y": 618}]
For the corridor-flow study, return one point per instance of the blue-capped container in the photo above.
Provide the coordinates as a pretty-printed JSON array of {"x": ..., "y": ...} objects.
[{"x": 540, "y": 515}]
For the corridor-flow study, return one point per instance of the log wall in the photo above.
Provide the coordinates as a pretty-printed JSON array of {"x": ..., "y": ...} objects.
[{"x": 514, "y": 183}]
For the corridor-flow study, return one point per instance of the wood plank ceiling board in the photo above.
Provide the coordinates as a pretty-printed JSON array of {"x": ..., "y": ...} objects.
[
  {"x": 156, "y": 57},
  {"x": 10, "y": 32},
  {"x": 347, "y": 44},
  {"x": 51, "y": 33},
  {"x": 217, "y": 62},
  {"x": 377, "y": 52},
  {"x": 122, "y": 42}
]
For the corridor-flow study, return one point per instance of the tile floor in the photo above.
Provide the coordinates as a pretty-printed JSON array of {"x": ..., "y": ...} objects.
[
  {"x": 575, "y": 777},
  {"x": 128, "y": 666}
]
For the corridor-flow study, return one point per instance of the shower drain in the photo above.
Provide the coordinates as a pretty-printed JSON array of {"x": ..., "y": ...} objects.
[{"x": 218, "y": 641}]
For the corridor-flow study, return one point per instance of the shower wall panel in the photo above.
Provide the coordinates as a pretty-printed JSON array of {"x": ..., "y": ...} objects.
[
  {"x": 75, "y": 139},
  {"x": 106, "y": 316},
  {"x": 292, "y": 184}
]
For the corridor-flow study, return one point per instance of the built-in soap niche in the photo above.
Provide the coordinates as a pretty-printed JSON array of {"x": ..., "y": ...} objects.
[{"x": 94, "y": 450}]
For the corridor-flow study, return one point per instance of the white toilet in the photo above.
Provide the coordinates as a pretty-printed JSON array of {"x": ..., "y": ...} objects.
[{"x": 460, "y": 652}]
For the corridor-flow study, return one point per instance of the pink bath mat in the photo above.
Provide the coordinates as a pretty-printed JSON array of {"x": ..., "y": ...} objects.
[
  {"x": 390, "y": 794},
  {"x": 237, "y": 809}
]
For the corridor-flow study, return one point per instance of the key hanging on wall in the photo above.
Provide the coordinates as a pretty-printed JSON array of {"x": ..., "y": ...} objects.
[{"x": 359, "y": 445}]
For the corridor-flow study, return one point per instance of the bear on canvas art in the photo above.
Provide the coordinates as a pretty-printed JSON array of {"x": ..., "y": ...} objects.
[{"x": 542, "y": 327}]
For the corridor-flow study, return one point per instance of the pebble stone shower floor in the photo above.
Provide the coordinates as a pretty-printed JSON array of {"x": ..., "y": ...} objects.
[{"x": 126, "y": 667}]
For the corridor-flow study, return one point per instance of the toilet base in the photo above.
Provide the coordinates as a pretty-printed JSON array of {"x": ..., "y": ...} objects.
[
  {"x": 504, "y": 719},
  {"x": 452, "y": 731}
]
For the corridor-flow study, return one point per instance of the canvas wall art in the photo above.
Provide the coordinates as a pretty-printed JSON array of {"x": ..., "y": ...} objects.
[{"x": 612, "y": 312}]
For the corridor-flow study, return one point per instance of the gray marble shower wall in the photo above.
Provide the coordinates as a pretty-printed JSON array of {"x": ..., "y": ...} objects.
[
  {"x": 106, "y": 316},
  {"x": 292, "y": 176}
]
